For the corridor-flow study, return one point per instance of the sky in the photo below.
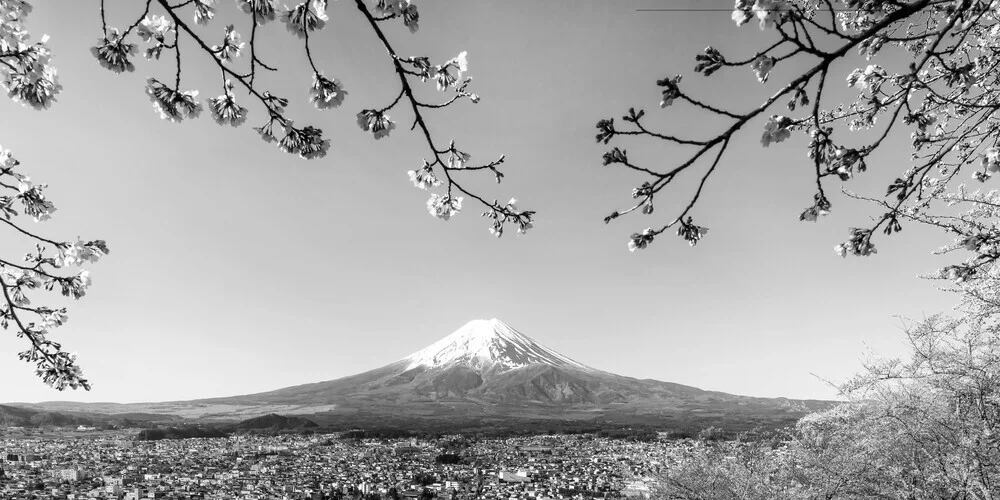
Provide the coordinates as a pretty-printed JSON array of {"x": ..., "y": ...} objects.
[{"x": 236, "y": 268}]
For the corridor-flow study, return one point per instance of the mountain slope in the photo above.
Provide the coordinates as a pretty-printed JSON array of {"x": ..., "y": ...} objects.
[
  {"x": 486, "y": 369},
  {"x": 490, "y": 364}
]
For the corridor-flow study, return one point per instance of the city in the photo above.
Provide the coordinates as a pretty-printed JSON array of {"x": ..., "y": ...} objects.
[{"x": 114, "y": 465}]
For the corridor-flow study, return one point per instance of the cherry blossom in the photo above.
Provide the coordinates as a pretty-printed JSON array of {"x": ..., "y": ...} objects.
[
  {"x": 224, "y": 109},
  {"x": 154, "y": 28},
  {"x": 379, "y": 124},
  {"x": 776, "y": 130},
  {"x": 442, "y": 73},
  {"x": 424, "y": 177},
  {"x": 171, "y": 104},
  {"x": 204, "y": 11},
  {"x": 326, "y": 93},
  {"x": 39, "y": 272},
  {"x": 769, "y": 12},
  {"x": 231, "y": 45},
  {"x": 641, "y": 240},
  {"x": 262, "y": 10},
  {"x": 113, "y": 52},
  {"x": 444, "y": 207},
  {"x": 762, "y": 66},
  {"x": 305, "y": 17}
]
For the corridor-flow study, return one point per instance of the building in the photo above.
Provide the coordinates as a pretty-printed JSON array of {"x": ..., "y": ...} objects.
[
  {"x": 71, "y": 475},
  {"x": 514, "y": 477}
]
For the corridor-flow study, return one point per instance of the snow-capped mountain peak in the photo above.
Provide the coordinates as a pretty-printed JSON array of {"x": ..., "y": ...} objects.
[{"x": 488, "y": 343}]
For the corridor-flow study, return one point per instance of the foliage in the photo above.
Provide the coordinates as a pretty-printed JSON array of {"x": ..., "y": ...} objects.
[
  {"x": 447, "y": 458},
  {"x": 180, "y": 433},
  {"x": 424, "y": 478},
  {"x": 946, "y": 93},
  {"x": 743, "y": 469},
  {"x": 160, "y": 28},
  {"x": 922, "y": 428}
]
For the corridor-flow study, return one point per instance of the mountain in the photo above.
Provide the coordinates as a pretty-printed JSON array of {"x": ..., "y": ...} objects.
[
  {"x": 487, "y": 370},
  {"x": 488, "y": 344},
  {"x": 20, "y": 415}
]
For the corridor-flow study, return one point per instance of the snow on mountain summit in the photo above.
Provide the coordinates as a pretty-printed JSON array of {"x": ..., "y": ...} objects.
[{"x": 488, "y": 342}]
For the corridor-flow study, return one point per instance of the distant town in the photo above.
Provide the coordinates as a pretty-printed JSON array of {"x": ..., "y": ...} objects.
[{"x": 86, "y": 463}]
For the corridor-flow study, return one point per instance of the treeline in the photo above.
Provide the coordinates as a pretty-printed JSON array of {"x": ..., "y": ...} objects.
[
  {"x": 640, "y": 435},
  {"x": 180, "y": 433},
  {"x": 381, "y": 433}
]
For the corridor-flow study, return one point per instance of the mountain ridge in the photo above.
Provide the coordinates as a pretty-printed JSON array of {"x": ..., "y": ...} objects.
[{"x": 485, "y": 369}]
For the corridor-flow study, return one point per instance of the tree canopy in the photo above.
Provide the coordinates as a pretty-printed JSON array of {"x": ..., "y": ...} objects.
[{"x": 924, "y": 426}]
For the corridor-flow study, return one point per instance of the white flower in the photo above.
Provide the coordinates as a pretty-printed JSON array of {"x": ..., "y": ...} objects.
[
  {"x": 443, "y": 207},
  {"x": 305, "y": 17},
  {"x": 769, "y": 12},
  {"x": 262, "y": 10},
  {"x": 776, "y": 130},
  {"x": 444, "y": 77},
  {"x": 231, "y": 46},
  {"x": 841, "y": 250},
  {"x": 224, "y": 109},
  {"x": 869, "y": 78},
  {"x": 203, "y": 11},
  {"x": 641, "y": 240},
  {"x": 35, "y": 86},
  {"x": 53, "y": 319},
  {"x": 461, "y": 60},
  {"x": 375, "y": 122},
  {"x": 24, "y": 185},
  {"x": 77, "y": 253},
  {"x": 113, "y": 53},
  {"x": 84, "y": 279},
  {"x": 307, "y": 142},
  {"x": 424, "y": 177},
  {"x": 154, "y": 28},
  {"x": 458, "y": 159},
  {"x": 762, "y": 67},
  {"x": 741, "y": 12},
  {"x": 33, "y": 199},
  {"x": 411, "y": 18},
  {"x": 990, "y": 160},
  {"x": 171, "y": 104},
  {"x": 326, "y": 93}
]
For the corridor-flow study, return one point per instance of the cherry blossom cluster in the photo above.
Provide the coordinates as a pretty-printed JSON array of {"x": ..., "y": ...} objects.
[
  {"x": 947, "y": 92},
  {"x": 25, "y": 70},
  {"x": 47, "y": 268},
  {"x": 164, "y": 27}
]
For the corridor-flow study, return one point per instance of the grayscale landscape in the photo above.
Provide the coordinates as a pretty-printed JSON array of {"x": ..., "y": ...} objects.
[{"x": 508, "y": 250}]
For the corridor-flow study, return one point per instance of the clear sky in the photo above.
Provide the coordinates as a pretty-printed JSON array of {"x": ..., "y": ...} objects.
[{"x": 236, "y": 268}]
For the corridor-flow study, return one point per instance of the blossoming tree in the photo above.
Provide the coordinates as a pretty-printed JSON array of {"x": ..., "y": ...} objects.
[
  {"x": 946, "y": 94},
  {"x": 165, "y": 30},
  {"x": 926, "y": 426}
]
